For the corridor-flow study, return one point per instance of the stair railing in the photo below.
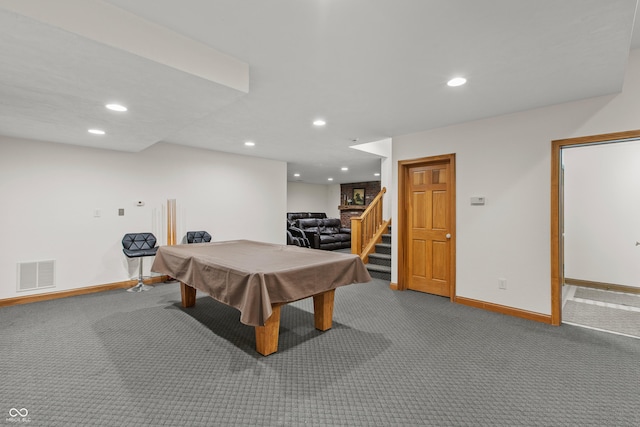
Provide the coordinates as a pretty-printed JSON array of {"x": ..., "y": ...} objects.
[{"x": 368, "y": 228}]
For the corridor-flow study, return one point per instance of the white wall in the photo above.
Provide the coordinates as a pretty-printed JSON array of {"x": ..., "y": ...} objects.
[
  {"x": 51, "y": 191},
  {"x": 507, "y": 159},
  {"x": 383, "y": 149},
  {"x": 386, "y": 180},
  {"x": 602, "y": 213},
  {"x": 303, "y": 197},
  {"x": 333, "y": 201}
]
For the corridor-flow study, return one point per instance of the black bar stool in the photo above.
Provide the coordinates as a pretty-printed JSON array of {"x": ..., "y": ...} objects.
[
  {"x": 138, "y": 245},
  {"x": 198, "y": 237}
]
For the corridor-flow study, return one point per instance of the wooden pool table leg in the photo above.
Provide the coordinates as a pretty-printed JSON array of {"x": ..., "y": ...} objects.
[
  {"x": 188, "y": 295},
  {"x": 267, "y": 335},
  {"x": 323, "y": 310}
]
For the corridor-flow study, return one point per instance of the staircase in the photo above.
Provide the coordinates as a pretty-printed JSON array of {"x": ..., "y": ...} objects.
[
  {"x": 379, "y": 264},
  {"x": 366, "y": 230}
]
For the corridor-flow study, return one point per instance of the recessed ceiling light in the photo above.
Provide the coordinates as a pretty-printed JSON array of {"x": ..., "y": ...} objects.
[
  {"x": 249, "y": 143},
  {"x": 97, "y": 131},
  {"x": 376, "y": 174},
  {"x": 457, "y": 81},
  {"x": 344, "y": 168},
  {"x": 319, "y": 122},
  {"x": 296, "y": 175},
  {"x": 116, "y": 107},
  {"x": 329, "y": 179}
]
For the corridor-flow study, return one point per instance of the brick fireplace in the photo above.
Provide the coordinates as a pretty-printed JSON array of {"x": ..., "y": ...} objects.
[{"x": 348, "y": 206}]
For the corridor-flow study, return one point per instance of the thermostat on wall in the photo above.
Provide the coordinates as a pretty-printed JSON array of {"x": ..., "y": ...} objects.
[{"x": 477, "y": 201}]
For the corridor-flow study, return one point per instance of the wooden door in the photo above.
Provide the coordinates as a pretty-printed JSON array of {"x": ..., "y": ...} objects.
[{"x": 429, "y": 228}]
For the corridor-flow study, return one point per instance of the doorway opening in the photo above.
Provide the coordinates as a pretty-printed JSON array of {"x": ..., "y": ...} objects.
[{"x": 558, "y": 279}]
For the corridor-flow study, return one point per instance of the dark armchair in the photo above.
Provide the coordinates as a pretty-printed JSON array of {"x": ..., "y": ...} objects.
[{"x": 295, "y": 236}]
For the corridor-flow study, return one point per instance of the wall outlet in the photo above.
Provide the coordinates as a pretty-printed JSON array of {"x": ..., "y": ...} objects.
[{"x": 502, "y": 283}]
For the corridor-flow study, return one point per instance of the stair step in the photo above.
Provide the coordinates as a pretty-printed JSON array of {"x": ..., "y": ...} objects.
[
  {"x": 380, "y": 259},
  {"x": 380, "y": 268},
  {"x": 379, "y": 265},
  {"x": 383, "y": 248},
  {"x": 379, "y": 271}
]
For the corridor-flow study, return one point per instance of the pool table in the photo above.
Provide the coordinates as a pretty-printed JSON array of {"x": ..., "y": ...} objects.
[{"x": 257, "y": 278}]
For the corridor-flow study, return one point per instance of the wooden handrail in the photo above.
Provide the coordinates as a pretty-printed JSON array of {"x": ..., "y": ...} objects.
[
  {"x": 376, "y": 202},
  {"x": 368, "y": 228}
]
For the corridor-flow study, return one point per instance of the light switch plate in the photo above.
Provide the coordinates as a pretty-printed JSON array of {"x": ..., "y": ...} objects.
[{"x": 477, "y": 201}]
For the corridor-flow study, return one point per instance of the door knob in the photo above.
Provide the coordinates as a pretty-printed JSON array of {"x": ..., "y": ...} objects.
[{"x": 448, "y": 236}]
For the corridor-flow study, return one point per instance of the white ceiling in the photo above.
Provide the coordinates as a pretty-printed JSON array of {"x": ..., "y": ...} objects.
[{"x": 373, "y": 69}]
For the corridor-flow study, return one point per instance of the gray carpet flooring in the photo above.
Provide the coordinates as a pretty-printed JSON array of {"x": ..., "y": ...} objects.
[{"x": 391, "y": 358}]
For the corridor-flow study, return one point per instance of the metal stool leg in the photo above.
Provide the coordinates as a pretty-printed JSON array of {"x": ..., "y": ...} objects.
[{"x": 140, "y": 286}]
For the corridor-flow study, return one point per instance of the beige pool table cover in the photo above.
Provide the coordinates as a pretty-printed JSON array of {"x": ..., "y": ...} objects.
[{"x": 251, "y": 276}]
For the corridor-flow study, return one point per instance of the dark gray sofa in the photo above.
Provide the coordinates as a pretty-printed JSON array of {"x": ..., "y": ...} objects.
[
  {"x": 320, "y": 232},
  {"x": 325, "y": 233}
]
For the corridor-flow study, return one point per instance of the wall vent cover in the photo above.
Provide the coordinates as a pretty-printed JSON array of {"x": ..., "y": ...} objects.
[{"x": 36, "y": 275}]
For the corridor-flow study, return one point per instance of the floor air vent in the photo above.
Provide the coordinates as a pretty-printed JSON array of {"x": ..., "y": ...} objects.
[{"x": 36, "y": 275}]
